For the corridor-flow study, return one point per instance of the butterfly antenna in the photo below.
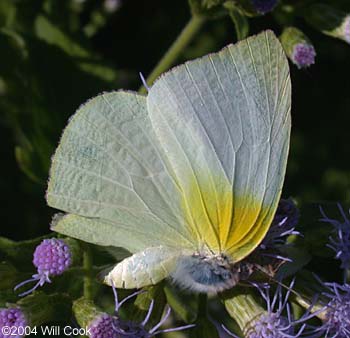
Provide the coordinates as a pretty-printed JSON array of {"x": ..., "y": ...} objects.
[
  {"x": 286, "y": 287},
  {"x": 143, "y": 80}
]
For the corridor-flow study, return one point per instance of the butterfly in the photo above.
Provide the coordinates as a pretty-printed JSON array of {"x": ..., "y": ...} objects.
[{"x": 186, "y": 179}]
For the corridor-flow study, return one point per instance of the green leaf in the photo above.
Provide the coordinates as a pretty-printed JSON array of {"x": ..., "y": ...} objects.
[
  {"x": 51, "y": 34},
  {"x": 204, "y": 329},
  {"x": 299, "y": 257},
  {"x": 317, "y": 233},
  {"x": 74, "y": 46},
  {"x": 24, "y": 156},
  {"x": 9, "y": 276},
  {"x": 40, "y": 308},
  {"x": 117, "y": 253},
  {"x": 20, "y": 253},
  {"x": 208, "y": 8},
  {"x": 184, "y": 304},
  {"x": 7, "y": 296},
  {"x": 240, "y": 21},
  {"x": 143, "y": 302},
  {"x": 7, "y": 13},
  {"x": 38, "y": 117},
  {"x": 85, "y": 311}
]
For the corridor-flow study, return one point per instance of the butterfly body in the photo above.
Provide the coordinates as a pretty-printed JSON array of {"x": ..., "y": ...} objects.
[{"x": 206, "y": 273}]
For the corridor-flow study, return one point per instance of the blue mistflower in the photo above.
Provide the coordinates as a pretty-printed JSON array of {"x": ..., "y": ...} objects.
[
  {"x": 283, "y": 224},
  {"x": 287, "y": 214},
  {"x": 277, "y": 321},
  {"x": 264, "y": 6},
  {"x": 336, "y": 321},
  {"x": 340, "y": 243},
  {"x": 128, "y": 329},
  {"x": 271, "y": 325},
  {"x": 51, "y": 258},
  {"x": 102, "y": 326},
  {"x": 12, "y": 317}
]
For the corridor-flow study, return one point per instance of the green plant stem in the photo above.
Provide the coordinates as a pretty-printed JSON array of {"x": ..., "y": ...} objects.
[
  {"x": 346, "y": 275},
  {"x": 182, "y": 41},
  {"x": 87, "y": 265},
  {"x": 202, "y": 305}
]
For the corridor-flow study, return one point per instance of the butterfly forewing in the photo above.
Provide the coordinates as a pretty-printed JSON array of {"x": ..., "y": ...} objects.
[{"x": 224, "y": 123}]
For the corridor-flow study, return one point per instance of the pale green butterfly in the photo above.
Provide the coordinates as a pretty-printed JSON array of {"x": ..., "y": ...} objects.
[{"x": 188, "y": 178}]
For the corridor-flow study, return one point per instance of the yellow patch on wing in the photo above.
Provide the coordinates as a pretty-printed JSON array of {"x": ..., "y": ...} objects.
[
  {"x": 207, "y": 205},
  {"x": 249, "y": 231},
  {"x": 222, "y": 222}
]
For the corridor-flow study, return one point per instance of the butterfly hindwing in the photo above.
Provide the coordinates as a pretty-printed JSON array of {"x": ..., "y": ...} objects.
[{"x": 109, "y": 169}]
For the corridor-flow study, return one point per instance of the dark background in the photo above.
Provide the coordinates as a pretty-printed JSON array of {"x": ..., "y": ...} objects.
[{"x": 48, "y": 70}]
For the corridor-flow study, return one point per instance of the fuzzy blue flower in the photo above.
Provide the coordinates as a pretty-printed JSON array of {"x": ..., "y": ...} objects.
[
  {"x": 336, "y": 321},
  {"x": 264, "y": 6},
  {"x": 277, "y": 321},
  {"x": 51, "y": 258},
  {"x": 287, "y": 213},
  {"x": 271, "y": 325},
  {"x": 340, "y": 243},
  {"x": 12, "y": 317},
  {"x": 128, "y": 329}
]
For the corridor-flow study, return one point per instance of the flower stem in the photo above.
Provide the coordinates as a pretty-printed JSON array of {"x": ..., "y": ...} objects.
[
  {"x": 182, "y": 41},
  {"x": 244, "y": 309},
  {"x": 202, "y": 305},
  {"x": 87, "y": 265}
]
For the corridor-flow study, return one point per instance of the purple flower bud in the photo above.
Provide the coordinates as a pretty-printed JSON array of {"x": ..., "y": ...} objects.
[
  {"x": 51, "y": 258},
  {"x": 340, "y": 243},
  {"x": 303, "y": 55},
  {"x": 336, "y": 322},
  {"x": 12, "y": 317},
  {"x": 102, "y": 326},
  {"x": 298, "y": 47},
  {"x": 264, "y": 6}
]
